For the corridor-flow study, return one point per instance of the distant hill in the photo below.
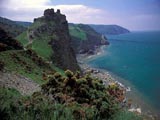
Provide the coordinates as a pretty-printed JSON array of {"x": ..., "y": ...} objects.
[
  {"x": 25, "y": 24},
  {"x": 11, "y": 27},
  {"x": 109, "y": 29},
  {"x": 85, "y": 39}
]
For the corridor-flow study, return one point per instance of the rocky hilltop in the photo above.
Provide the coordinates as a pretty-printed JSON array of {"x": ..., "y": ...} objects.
[
  {"x": 85, "y": 39},
  {"x": 52, "y": 29}
]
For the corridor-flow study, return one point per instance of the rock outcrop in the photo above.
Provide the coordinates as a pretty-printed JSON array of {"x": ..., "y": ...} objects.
[
  {"x": 7, "y": 42},
  {"x": 54, "y": 27}
]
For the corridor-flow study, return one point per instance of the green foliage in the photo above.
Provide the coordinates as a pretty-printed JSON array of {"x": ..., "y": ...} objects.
[
  {"x": 61, "y": 101},
  {"x": 77, "y": 32},
  {"x": 6, "y": 102},
  {"x": 83, "y": 91},
  {"x": 13, "y": 106}
]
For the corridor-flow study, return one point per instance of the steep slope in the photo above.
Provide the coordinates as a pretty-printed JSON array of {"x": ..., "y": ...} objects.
[
  {"x": 24, "y": 62},
  {"x": 49, "y": 37},
  {"x": 11, "y": 27},
  {"x": 109, "y": 29},
  {"x": 85, "y": 39}
]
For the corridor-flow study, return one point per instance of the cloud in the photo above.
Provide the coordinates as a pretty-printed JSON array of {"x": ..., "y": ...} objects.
[
  {"x": 27, "y": 10},
  {"x": 81, "y": 13},
  {"x": 18, "y": 4}
]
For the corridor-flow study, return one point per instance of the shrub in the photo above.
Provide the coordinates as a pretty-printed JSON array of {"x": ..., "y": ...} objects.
[
  {"x": 69, "y": 73},
  {"x": 82, "y": 90}
]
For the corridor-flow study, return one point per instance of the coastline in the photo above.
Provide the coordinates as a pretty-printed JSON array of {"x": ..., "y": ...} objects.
[{"x": 138, "y": 105}]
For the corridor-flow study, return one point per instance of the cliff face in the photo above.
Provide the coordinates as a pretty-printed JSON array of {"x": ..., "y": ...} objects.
[
  {"x": 85, "y": 39},
  {"x": 52, "y": 28},
  {"x": 7, "y": 42}
]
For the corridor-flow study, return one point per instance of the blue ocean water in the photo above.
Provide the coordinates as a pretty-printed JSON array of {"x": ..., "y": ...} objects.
[{"x": 134, "y": 57}]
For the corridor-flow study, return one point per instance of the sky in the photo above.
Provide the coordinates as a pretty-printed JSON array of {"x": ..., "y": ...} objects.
[{"x": 136, "y": 15}]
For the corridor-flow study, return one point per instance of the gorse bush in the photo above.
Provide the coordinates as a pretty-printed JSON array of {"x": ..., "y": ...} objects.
[
  {"x": 13, "y": 106},
  {"x": 73, "y": 89},
  {"x": 69, "y": 97}
]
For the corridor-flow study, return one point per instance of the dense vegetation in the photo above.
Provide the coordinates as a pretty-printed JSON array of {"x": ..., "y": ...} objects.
[{"x": 68, "y": 97}]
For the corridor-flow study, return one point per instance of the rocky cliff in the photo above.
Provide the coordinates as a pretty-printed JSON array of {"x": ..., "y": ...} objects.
[
  {"x": 50, "y": 38},
  {"x": 85, "y": 39}
]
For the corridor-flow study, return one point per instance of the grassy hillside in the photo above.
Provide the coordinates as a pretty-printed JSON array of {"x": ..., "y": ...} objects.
[
  {"x": 26, "y": 63},
  {"x": 40, "y": 44},
  {"x": 23, "y": 38},
  {"x": 77, "y": 32}
]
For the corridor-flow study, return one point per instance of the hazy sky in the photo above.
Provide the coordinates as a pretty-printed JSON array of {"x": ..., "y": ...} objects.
[{"x": 132, "y": 14}]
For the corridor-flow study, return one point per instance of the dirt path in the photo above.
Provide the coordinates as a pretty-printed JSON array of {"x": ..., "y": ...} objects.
[{"x": 24, "y": 85}]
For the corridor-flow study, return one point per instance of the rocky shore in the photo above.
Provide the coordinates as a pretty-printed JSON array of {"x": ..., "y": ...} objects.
[{"x": 133, "y": 104}]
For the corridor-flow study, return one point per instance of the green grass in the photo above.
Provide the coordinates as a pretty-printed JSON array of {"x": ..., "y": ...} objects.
[
  {"x": 41, "y": 46},
  {"x": 22, "y": 38},
  {"x": 11, "y": 64},
  {"x": 40, "y": 43},
  {"x": 75, "y": 31}
]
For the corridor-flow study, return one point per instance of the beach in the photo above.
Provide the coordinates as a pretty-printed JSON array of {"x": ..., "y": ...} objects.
[{"x": 131, "y": 94}]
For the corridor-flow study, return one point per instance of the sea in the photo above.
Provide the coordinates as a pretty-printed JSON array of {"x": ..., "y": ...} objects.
[{"x": 135, "y": 58}]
